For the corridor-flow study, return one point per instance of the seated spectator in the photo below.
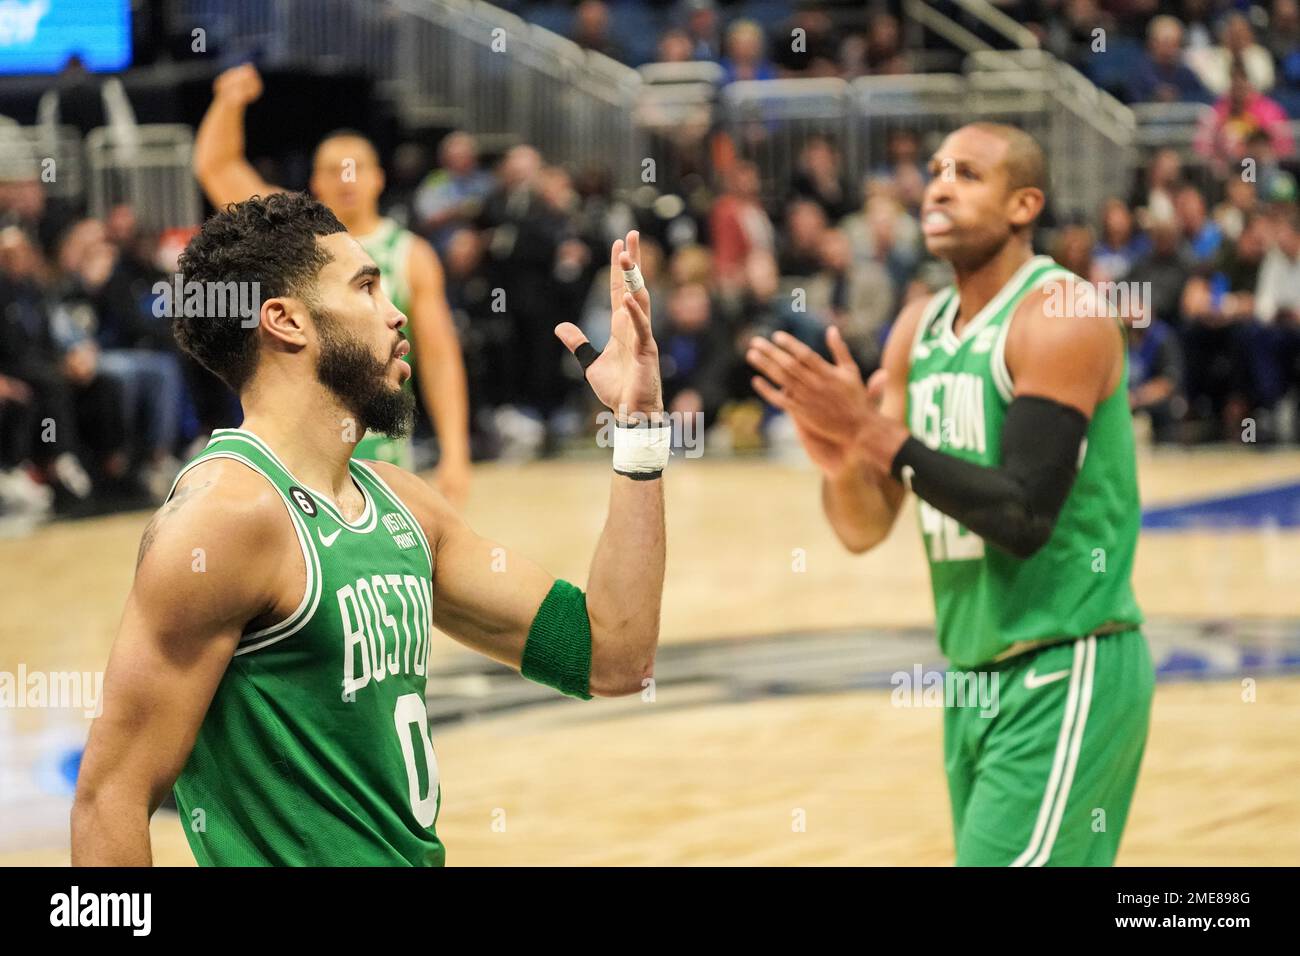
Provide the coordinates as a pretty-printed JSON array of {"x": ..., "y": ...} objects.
[
  {"x": 1236, "y": 269},
  {"x": 1277, "y": 294},
  {"x": 819, "y": 176},
  {"x": 1155, "y": 373},
  {"x": 1238, "y": 118},
  {"x": 885, "y": 54},
  {"x": 62, "y": 415},
  {"x": 814, "y": 54},
  {"x": 1161, "y": 75},
  {"x": 1200, "y": 233},
  {"x": 1219, "y": 381},
  {"x": 799, "y": 250},
  {"x": 703, "y": 29},
  {"x": 746, "y": 57},
  {"x": 695, "y": 354},
  {"x": 854, "y": 295},
  {"x": 738, "y": 224},
  {"x": 1214, "y": 65},
  {"x": 1283, "y": 41},
  {"x": 1071, "y": 35},
  {"x": 674, "y": 47},
  {"x": 904, "y": 168},
  {"x": 94, "y": 308},
  {"x": 591, "y": 30},
  {"x": 884, "y": 232},
  {"x": 1155, "y": 200},
  {"x": 451, "y": 197},
  {"x": 1073, "y": 249},
  {"x": 1166, "y": 267},
  {"x": 1240, "y": 202},
  {"x": 1120, "y": 244}
]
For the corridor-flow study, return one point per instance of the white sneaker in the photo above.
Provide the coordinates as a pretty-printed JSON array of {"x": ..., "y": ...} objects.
[
  {"x": 21, "y": 493},
  {"x": 72, "y": 476}
]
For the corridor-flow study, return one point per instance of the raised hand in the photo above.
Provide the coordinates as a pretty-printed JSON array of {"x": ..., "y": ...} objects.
[
  {"x": 625, "y": 376},
  {"x": 240, "y": 84}
]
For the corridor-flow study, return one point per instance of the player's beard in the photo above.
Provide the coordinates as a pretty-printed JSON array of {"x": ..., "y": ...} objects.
[{"x": 360, "y": 381}]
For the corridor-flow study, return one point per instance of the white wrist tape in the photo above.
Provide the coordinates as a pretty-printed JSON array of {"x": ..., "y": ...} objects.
[
  {"x": 632, "y": 279},
  {"x": 643, "y": 451}
]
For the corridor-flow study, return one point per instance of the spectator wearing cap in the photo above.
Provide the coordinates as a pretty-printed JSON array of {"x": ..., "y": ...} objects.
[{"x": 1161, "y": 75}]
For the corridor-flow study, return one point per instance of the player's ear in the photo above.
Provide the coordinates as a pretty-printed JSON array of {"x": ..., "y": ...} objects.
[
  {"x": 285, "y": 320},
  {"x": 1026, "y": 205}
]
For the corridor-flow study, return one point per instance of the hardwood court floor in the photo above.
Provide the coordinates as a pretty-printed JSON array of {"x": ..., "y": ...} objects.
[{"x": 631, "y": 782}]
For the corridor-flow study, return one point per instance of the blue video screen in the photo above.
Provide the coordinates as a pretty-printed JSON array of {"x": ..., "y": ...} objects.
[{"x": 38, "y": 36}]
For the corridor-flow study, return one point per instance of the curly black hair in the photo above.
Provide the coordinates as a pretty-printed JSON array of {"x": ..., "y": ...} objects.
[{"x": 268, "y": 240}]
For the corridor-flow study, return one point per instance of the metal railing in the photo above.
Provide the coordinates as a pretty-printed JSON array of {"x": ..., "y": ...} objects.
[
  {"x": 461, "y": 63},
  {"x": 49, "y": 154},
  {"x": 153, "y": 174}
]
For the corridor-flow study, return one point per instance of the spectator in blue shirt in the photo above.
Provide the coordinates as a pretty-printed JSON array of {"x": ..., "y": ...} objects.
[
  {"x": 1161, "y": 75},
  {"x": 450, "y": 198},
  {"x": 746, "y": 57}
]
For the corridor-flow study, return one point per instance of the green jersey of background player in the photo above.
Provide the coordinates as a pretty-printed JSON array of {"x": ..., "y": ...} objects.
[
  {"x": 271, "y": 660},
  {"x": 1002, "y": 403},
  {"x": 348, "y": 178}
]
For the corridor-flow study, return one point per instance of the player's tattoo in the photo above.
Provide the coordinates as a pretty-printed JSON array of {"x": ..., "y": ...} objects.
[{"x": 170, "y": 508}]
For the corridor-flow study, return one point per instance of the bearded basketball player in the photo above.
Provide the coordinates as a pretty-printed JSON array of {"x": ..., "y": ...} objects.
[
  {"x": 348, "y": 178},
  {"x": 270, "y": 664},
  {"x": 1005, "y": 411}
]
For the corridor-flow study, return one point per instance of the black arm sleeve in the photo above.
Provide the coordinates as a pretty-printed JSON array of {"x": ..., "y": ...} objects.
[{"x": 1014, "y": 506}]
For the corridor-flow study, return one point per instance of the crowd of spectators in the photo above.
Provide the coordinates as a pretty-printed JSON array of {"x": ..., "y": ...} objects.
[{"x": 97, "y": 406}]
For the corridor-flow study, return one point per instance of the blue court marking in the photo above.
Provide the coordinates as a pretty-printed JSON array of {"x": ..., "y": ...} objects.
[{"x": 1273, "y": 507}]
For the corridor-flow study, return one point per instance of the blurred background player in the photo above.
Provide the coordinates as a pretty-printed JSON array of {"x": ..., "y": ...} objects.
[
  {"x": 1005, "y": 407},
  {"x": 347, "y": 176}
]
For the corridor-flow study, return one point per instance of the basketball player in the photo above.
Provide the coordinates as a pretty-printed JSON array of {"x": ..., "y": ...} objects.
[
  {"x": 347, "y": 177},
  {"x": 1005, "y": 410},
  {"x": 271, "y": 658}
]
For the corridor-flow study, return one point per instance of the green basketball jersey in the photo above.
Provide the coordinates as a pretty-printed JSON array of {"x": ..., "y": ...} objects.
[
  {"x": 315, "y": 749},
  {"x": 985, "y": 599},
  {"x": 390, "y": 246}
]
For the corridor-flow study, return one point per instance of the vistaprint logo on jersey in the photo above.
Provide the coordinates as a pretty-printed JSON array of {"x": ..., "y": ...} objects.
[
  {"x": 1072, "y": 297},
  {"x": 208, "y": 300},
  {"x": 74, "y": 908},
  {"x": 56, "y": 690},
  {"x": 921, "y": 688}
]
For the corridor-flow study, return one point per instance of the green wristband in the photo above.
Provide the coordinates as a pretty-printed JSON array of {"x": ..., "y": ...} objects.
[{"x": 558, "y": 650}]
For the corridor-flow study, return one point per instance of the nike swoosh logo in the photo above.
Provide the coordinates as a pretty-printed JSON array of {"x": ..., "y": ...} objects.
[
  {"x": 328, "y": 539},
  {"x": 1033, "y": 680}
]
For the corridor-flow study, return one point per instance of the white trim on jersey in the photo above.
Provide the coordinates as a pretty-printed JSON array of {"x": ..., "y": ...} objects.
[
  {"x": 365, "y": 523},
  {"x": 313, "y": 587},
  {"x": 406, "y": 512},
  {"x": 994, "y": 305},
  {"x": 1077, "y": 702},
  {"x": 998, "y": 360}
]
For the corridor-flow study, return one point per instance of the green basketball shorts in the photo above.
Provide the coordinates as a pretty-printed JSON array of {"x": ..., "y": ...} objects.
[{"x": 1047, "y": 779}]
